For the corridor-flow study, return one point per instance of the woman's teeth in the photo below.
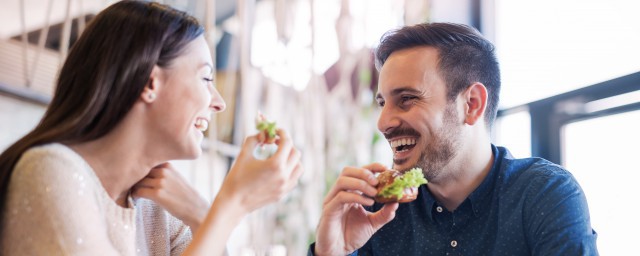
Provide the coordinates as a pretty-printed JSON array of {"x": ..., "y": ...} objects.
[{"x": 202, "y": 124}]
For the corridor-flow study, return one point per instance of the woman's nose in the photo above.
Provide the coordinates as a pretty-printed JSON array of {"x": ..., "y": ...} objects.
[{"x": 217, "y": 103}]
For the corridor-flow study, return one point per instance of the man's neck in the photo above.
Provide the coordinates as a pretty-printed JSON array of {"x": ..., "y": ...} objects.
[{"x": 462, "y": 176}]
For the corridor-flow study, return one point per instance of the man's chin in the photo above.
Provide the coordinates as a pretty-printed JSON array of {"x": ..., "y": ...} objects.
[{"x": 403, "y": 164}]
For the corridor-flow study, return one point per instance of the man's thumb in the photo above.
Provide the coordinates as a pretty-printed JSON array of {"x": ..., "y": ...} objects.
[{"x": 384, "y": 215}]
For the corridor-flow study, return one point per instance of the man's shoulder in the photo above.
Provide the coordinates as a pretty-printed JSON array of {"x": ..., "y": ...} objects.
[
  {"x": 529, "y": 168},
  {"x": 533, "y": 174}
]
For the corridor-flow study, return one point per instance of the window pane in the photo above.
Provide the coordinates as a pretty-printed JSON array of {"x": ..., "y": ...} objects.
[
  {"x": 547, "y": 47},
  {"x": 602, "y": 154},
  {"x": 514, "y": 132}
]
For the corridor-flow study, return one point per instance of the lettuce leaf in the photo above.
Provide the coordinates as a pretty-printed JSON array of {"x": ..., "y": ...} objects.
[
  {"x": 270, "y": 127},
  {"x": 412, "y": 178}
]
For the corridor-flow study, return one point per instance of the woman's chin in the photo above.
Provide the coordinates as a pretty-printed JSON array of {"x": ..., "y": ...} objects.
[
  {"x": 194, "y": 154},
  {"x": 189, "y": 153}
]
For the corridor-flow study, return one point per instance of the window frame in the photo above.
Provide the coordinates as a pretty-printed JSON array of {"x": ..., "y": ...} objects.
[{"x": 550, "y": 115}]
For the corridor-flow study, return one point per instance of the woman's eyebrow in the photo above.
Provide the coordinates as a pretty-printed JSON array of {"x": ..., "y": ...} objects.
[{"x": 207, "y": 64}]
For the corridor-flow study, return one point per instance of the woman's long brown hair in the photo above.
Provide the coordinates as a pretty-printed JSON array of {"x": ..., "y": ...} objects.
[{"x": 103, "y": 76}]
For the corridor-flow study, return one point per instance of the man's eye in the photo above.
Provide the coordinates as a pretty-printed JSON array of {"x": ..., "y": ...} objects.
[
  {"x": 209, "y": 80},
  {"x": 407, "y": 99},
  {"x": 381, "y": 103}
]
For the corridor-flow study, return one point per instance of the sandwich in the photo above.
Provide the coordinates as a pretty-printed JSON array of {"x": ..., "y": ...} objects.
[
  {"x": 266, "y": 137},
  {"x": 266, "y": 129},
  {"x": 394, "y": 186}
]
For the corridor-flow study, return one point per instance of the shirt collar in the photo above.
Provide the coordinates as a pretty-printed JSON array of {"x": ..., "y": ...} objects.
[{"x": 481, "y": 197}]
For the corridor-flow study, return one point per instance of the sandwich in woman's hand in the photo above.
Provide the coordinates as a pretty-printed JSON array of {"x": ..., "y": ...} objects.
[
  {"x": 266, "y": 128},
  {"x": 394, "y": 186},
  {"x": 266, "y": 137}
]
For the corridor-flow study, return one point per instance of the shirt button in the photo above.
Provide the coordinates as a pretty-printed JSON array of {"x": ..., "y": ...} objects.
[
  {"x": 439, "y": 209},
  {"x": 454, "y": 243}
]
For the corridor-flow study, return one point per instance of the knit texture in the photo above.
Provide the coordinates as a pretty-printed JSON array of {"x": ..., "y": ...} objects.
[{"x": 56, "y": 205}]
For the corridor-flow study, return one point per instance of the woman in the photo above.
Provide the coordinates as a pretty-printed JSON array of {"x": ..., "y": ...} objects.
[{"x": 135, "y": 92}]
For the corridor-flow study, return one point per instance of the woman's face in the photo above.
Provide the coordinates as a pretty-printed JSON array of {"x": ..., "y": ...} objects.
[{"x": 185, "y": 101}]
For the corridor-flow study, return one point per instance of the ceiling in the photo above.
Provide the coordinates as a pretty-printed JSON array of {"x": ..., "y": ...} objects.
[{"x": 37, "y": 13}]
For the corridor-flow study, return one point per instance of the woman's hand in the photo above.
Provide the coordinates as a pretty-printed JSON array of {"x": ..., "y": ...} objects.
[
  {"x": 249, "y": 185},
  {"x": 255, "y": 183},
  {"x": 165, "y": 186}
]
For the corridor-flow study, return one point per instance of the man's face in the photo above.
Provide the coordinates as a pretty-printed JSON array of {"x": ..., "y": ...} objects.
[{"x": 421, "y": 126}]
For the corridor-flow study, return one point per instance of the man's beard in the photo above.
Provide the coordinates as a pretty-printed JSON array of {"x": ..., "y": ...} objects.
[{"x": 442, "y": 146}]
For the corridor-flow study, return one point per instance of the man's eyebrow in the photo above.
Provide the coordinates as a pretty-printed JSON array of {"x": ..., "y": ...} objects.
[
  {"x": 397, "y": 91},
  {"x": 403, "y": 90}
]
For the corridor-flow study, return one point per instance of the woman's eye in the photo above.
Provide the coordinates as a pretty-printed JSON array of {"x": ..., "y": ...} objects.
[
  {"x": 380, "y": 103},
  {"x": 209, "y": 80}
]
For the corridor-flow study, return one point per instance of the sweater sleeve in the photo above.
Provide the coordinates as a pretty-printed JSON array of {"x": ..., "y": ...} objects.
[
  {"x": 53, "y": 209},
  {"x": 180, "y": 236}
]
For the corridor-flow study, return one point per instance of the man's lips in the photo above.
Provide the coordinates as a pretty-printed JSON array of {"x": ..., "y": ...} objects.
[
  {"x": 402, "y": 142},
  {"x": 401, "y": 145},
  {"x": 400, "y": 133}
]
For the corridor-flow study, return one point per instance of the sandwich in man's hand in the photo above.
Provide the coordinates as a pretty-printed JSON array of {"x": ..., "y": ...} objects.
[{"x": 394, "y": 186}]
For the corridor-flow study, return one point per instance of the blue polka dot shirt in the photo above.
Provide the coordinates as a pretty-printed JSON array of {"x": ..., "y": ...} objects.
[{"x": 523, "y": 207}]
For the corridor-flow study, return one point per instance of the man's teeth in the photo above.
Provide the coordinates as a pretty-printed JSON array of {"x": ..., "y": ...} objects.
[
  {"x": 403, "y": 142},
  {"x": 202, "y": 124}
]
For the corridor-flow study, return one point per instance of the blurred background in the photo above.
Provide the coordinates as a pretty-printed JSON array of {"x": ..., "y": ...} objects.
[{"x": 570, "y": 75}]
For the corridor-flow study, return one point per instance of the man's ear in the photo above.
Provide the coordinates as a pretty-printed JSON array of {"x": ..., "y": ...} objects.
[
  {"x": 475, "y": 98},
  {"x": 150, "y": 91}
]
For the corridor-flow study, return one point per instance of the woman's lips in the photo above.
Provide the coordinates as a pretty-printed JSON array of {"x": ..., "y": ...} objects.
[{"x": 202, "y": 124}]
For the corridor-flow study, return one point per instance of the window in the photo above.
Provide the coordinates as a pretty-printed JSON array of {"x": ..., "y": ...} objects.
[
  {"x": 602, "y": 154},
  {"x": 554, "y": 56},
  {"x": 548, "y": 47},
  {"x": 513, "y": 131}
]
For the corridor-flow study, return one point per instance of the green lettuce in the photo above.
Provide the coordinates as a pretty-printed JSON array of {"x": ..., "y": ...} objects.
[
  {"x": 270, "y": 127},
  {"x": 412, "y": 178}
]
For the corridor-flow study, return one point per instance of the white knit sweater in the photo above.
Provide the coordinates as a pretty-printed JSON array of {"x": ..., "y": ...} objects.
[{"x": 56, "y": 205}]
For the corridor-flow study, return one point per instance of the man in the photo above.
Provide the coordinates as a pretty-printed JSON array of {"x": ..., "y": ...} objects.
[{"x": 438, "y": 93}]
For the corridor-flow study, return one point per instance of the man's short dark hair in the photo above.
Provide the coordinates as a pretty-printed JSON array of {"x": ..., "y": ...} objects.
[{"x": 465, "y": 57}]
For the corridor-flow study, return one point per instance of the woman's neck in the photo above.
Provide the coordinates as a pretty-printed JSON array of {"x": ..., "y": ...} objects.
[{"x": 117, "y": 160}]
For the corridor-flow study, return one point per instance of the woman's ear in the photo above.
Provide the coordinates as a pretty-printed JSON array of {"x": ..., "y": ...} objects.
[
  {"x": 150, "y": 92},
  {"x": 476, "y": 102}
]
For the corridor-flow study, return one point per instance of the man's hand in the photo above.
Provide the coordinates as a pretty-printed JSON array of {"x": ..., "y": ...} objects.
[
  {"x": 345, "y": 225},
  {"x": 165, "y": 186}
]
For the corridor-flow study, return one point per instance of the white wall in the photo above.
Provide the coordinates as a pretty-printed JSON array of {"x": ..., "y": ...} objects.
[
  {"x": 456, "y": 11},
  {"x": 17, "y": 118}
]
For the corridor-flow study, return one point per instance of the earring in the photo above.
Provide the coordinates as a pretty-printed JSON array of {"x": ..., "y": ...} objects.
[{"x": 151, "y": 96}]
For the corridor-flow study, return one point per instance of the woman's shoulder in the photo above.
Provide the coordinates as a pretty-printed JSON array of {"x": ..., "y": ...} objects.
[
  {"x": 49, "y": 152},
  {"x": 50, "y": 162},
  {"x": 50, "y": 155}
]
